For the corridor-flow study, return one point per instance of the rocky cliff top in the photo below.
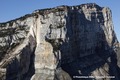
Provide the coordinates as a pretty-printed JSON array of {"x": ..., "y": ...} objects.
[{"x": 55, "y": 9}]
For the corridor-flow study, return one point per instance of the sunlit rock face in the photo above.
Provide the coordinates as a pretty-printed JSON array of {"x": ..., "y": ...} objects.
[{"x": 61, "y": 43}]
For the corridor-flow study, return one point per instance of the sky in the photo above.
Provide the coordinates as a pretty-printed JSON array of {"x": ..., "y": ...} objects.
[{"x": 11, "y": 9}]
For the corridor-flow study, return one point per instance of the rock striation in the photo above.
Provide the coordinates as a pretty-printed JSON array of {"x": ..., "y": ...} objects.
[{"x": 61, "y": 43}]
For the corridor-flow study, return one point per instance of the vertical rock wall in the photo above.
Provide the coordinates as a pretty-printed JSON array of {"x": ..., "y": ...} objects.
[{"x": 59, "y": 44}]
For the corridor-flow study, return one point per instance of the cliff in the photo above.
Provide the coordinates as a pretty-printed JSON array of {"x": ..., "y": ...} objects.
[{"x": 61, "y": 43}]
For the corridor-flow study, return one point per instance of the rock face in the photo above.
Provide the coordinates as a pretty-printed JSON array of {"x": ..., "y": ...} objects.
[{"x": 61, "y": 43}]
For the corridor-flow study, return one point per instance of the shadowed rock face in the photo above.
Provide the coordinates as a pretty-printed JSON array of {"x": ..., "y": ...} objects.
[{"x": 61, "y": 43}]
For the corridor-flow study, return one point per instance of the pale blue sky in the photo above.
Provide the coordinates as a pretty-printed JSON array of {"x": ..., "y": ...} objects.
[{"x": 11, "y": 9}]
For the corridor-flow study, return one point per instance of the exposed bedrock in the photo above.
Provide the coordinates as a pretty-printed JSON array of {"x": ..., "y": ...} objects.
[{"x": 61, "y": 43}]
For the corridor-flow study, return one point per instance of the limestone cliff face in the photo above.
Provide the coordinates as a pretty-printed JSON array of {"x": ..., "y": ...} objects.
[{"x": 60, "y": 43}]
